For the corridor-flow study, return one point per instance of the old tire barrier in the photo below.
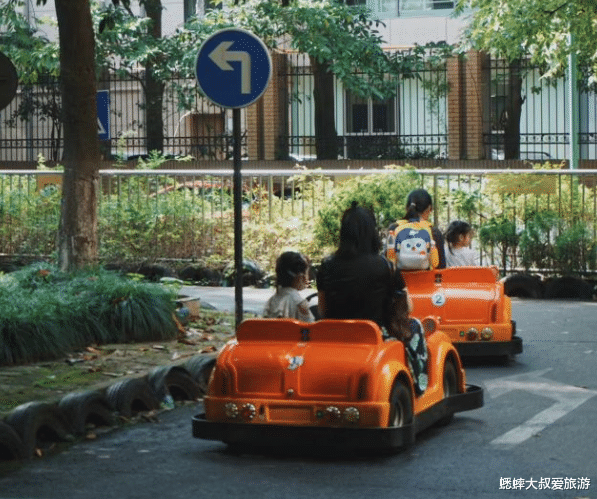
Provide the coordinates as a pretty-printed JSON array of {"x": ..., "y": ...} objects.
[
  {"x": 39, "y": 425},
  {"x": 200, "y": 368},
  {"x": 11, "y": 445},
  {"x": 131, "y": 396},
  {"x": 83, "y": 409},
  {"x": 569, "y": 287},
  {"x": 174, "y": 382},
  {"x": 523, "y": 286}
]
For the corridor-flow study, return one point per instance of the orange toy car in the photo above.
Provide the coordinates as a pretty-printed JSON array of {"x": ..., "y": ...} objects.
[
  {"x": 471, "y": 308},
  {"x": 331, "y": 383}
]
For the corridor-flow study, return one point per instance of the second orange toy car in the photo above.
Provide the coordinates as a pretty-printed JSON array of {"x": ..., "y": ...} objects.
[{"x": 471, "y": 308}]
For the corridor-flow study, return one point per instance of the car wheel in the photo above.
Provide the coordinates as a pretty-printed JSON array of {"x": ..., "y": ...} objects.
[
  {"x": 450, "y": 388},
  {"x": 401, "y": 406}
]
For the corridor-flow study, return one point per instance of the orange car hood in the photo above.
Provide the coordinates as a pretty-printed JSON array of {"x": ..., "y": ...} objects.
[{"x": 304, "y": 361}]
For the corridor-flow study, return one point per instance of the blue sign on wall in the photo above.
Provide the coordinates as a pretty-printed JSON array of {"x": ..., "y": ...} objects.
[
  {"x": 233, "y": 68},
  {"x": 103, "y": 114}
]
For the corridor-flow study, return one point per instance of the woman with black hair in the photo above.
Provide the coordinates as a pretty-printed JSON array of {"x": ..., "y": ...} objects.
[{"x": 356, "y": 282}]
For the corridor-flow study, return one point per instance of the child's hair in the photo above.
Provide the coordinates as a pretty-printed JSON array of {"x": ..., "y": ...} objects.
[
  {"x": 288, "y": 265},
  {"x": 456, "y": 229},
  {"x": 416, "y": 203},
  {"x": 399, "y": 320}
]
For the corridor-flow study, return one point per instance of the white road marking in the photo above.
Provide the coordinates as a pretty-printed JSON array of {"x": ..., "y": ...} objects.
[{"x": 567, "y": 398}]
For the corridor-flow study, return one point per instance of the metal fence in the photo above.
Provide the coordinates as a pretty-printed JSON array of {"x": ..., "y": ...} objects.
[
  {"x": 188, "y": 214},
  {"x": 411, "y": 125},
  {"x": 536, "y": 111},
  {"x": 30, "y": 126}
]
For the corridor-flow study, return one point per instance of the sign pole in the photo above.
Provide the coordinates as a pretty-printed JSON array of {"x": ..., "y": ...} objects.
[
  {"x": 233, "y": 70},
  {"x": 238, "y": 218}
]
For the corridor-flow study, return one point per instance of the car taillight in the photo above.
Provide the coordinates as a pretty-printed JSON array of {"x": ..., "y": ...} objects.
[
  {"x": 247, "y": 412},
  {"x": 486, "y": 334},
  {"x": 231, "y": 410},
  {"x": 351, "y": 415},
  {"x": 332, "y": 414},
  {"x": 472, "y": 334}
]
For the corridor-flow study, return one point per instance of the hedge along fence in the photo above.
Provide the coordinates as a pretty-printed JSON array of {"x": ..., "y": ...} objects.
[{"x": 542, "y": 219}]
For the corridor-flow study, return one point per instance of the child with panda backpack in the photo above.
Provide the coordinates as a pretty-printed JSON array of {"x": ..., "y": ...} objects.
[{"x": 413, "y": 243}]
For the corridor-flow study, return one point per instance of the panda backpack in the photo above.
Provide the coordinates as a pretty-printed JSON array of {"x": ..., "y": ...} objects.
[{"x": 413, "y": 244}]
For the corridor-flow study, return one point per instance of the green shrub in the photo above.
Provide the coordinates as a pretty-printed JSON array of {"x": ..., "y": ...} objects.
[
  {"x": 575, "y": 250},
  {"x": 500, "y": 232},
  {"x": 536, "y": 240},
  {"x": 47, "y": 313},
  {"x": 384, "y": 194}
]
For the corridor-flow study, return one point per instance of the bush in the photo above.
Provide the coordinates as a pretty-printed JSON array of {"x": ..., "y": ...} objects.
[
  {"x": 47, "y": 313},
  {"x": 535, "y": 244},
  {"x": 575, "y": 250},
  {"x": 385, "y": 195}
]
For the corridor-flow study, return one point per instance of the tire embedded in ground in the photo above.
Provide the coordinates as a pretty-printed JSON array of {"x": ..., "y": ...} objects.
[
  {"x": 523, "y": 286},
  {"x": 11, "y": 445},
  {"x": 39, "y": 425},
  {"x": 131, "y": 396},
  {"x": 568, "y": 287},
  {"x": 200, "y": 368},
  {"x": 86, "y": 408},
  {"x": 173, "y": 381}
]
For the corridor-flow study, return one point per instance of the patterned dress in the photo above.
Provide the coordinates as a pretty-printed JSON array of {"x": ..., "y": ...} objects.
[{"x": 416, "y": 353}]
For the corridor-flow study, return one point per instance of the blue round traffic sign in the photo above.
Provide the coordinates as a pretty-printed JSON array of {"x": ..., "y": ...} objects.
[{"x": 233, "y": 68}]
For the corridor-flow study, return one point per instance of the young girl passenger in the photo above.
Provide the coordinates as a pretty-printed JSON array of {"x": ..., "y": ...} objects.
[
  {"x": 458, "y": 240},
  {"x": 410, "y": 332},
  {"x": 292, "y": 270}
]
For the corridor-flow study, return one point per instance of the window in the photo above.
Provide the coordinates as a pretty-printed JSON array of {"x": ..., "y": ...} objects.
[{"x": 370, "y": 116}]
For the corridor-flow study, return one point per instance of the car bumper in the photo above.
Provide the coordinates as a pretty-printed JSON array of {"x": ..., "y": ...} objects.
[
  {"x": 489, "y": 348},
  {"x": 267, "y": 435}
]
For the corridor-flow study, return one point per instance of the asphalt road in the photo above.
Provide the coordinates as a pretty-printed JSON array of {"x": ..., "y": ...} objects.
[{"x": 536, "y": 433}]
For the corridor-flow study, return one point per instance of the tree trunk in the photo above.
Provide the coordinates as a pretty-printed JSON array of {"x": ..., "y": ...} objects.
[
  {"x": 513, "y": 111},
  {"x": 77, "y": 233},
  {"x": 154, "y": 89},
  {"x": 326, "y": 137}
]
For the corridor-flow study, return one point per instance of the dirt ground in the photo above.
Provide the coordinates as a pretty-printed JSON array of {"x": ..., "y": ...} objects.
[{"x": 101, "y": 365}]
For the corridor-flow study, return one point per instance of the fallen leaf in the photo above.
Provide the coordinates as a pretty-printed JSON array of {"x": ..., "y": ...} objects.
[
  {"x": 93, "y": 350},
  {"x": 208, "y": 349},
  {"x": 184, "y": 341}
]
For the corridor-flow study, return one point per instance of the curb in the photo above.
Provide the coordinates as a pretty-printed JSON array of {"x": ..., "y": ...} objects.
[{"x": 32, "y": 427}]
